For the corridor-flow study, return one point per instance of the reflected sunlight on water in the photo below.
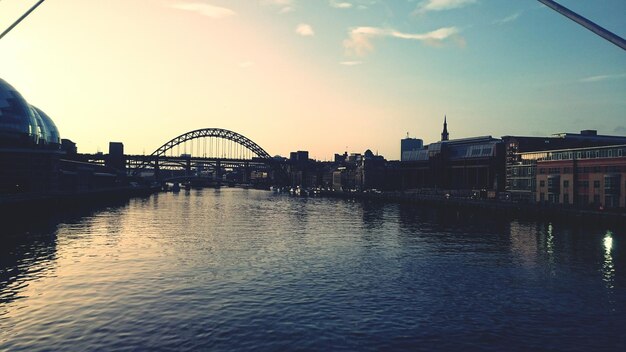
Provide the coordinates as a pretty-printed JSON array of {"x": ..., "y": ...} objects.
[{"x": 249, "y": 270}]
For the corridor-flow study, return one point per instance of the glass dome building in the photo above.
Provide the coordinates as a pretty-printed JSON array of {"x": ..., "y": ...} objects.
[
  {"x": 23, "y": 125},
  {"x": 50, "y": 132}
]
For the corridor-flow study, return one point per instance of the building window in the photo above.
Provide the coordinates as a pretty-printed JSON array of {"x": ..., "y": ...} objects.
[
  {"x": 542, "y": 183},
  {"x": 566, "y": 198},
  {"x": 596, "y": 184},
  {"x": 542, "y": 197},
  {"x": 596, "y": 199},
  {"x": 611, "y": 201},
  {"x": 565, "y": 183}
]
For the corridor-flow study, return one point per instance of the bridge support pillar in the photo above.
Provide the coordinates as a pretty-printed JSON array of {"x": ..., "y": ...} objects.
[
  {"x": 188, "y": 167},
  {"x": 157, "y": 169},
  {"x": 246, "y": 172},
  {"x": 218, "y": 173}
]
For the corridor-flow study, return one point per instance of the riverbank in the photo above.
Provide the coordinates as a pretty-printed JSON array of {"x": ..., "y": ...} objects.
[
  {"x": 493, "y": 207},
  {"x": 52, "y": 201}
]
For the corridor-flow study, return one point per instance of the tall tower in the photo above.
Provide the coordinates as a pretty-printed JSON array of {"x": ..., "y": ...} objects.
[{"x": 444, "y": 134}]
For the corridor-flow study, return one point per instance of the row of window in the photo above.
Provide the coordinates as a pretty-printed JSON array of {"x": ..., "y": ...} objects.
[
  {"x": 521, "y": 171},
  {"x": 582, "y": 199},
  {"x": 609, "y": 152},
  {"x": 609, "y": 183},
  {"x": 610, "y": 201},
  {"x": 581, "y": 170},
  {"x": 588, "y": 154},
  {"x": 554, "y": 170}
]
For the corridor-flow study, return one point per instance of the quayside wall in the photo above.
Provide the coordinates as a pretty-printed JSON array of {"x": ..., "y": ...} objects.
[{"x": 493, "y": 207}]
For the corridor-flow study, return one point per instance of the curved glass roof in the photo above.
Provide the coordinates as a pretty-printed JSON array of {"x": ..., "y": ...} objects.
[
  {"x": 23, "y": 124},
  {"x": 52, "y": 135}
]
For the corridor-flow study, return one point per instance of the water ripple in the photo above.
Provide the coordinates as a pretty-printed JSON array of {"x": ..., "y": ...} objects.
[{"x": 238, "y": 269}]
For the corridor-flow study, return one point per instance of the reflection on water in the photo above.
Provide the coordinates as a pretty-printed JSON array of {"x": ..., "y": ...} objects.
[
  {"x": 550, "y": 240},
  {"x": 23, "y": 260},
  {"x": 550, "y": 250},
  {"x": 237, "y": 269},
  {"x": 608, "y": 267}
]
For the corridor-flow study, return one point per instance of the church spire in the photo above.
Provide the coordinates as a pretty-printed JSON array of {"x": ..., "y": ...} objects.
[{"x": 444, "y": 134}]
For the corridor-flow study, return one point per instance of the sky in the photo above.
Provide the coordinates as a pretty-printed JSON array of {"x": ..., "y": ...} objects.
[{"x": 316, "y": 75}]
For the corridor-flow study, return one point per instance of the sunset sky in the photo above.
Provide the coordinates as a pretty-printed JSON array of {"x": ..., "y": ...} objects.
[{"x": 315, "y": 75}]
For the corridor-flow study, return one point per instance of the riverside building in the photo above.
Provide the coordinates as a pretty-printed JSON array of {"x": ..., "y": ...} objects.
[
  {"x": 30, "y": 145},
  {"x": 523, "y": 154},
  {"x": 461, "y": 166},
  {"x": 33, "y": 158},
  {"x": 592, "y": 177}
]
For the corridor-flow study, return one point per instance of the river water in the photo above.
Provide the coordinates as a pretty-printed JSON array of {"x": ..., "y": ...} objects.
[{"x": 245, "y": 270}]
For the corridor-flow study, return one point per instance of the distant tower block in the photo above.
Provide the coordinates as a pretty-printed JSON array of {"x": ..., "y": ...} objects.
[
  {"x": 444, "y": 135},
  {"x": 409, "y": 145},
  {"x": 116, "y": 158}
]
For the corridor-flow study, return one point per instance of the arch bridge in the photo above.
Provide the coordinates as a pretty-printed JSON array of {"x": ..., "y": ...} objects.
[{"x": 210, "y": 153}]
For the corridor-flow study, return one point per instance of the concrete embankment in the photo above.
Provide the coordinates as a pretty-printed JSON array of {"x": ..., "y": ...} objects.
[{"x": 507, "y": 209}]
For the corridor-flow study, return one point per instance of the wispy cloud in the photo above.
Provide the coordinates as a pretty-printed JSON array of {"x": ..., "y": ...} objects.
[
  {"x": 277, "y": 2},
  {"x": 440, "y": 5},
  {"x": 340, "y": 4},
  {"x": 350, "y": 63},
  {"x": 202, "y": 8},
  {"x": 508, "y": 19},
  {"x": 305, "y": 30},
  {"x": 360, "y": 39},
  {"x": 603, "y": 78},
  {"x": 286, "y": 5}
]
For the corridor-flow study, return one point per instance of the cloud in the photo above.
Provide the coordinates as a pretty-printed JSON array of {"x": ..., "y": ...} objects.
[
  {"x": 360, "y": 41},
  {"x": 350, "y": 63},
  {"x": 340, "y": 5},
  {"x": 305, "y": 30},
  {"x": 508, "y": 19},
  {"x": 440, "y": 5},
  {"x": 603, "y": 78},
  {"x": 277, "y": 2},
  {"x": 202, "y": 9},
  {"x": 286, "y": 5}
]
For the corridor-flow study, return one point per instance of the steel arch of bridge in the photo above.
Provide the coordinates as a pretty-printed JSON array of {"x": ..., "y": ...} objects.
[{"x": 213, "y": 132}]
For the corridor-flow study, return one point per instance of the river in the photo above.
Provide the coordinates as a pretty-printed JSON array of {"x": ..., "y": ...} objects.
[{"x": 244, "y": 270}]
